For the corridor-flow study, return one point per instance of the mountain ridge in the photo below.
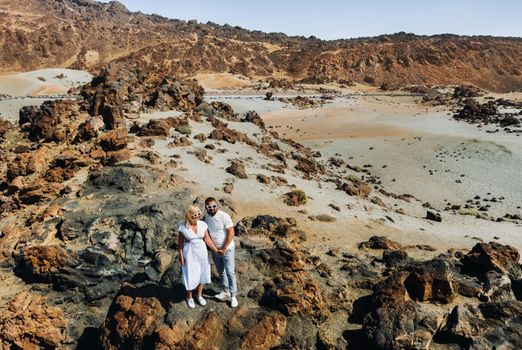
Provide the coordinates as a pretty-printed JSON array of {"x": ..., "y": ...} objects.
[{"x": 89, "y": 35}]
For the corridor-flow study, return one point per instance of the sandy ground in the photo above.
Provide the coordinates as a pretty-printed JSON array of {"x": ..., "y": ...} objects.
[
  {"x": 220, "y": 81},
  {"x": 42, "y": 82},
  {"x": 412, "y": 148},
  {"x": 357, "y": 220}
]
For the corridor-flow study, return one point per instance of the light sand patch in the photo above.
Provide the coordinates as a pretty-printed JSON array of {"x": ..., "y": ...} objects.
[
  {"x": 350, "y": 120},
  {"x": 92, "y": 57},
  {"x": 223, "y": 81},
  {"x": 42, "y": 82}
]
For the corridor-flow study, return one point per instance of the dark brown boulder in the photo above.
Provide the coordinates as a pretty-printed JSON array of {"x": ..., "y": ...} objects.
[
  {"x": 50, "y": 121},
  {"x": 309, "y": 167},
  {"x": 131, "y": 318},
  {"x": 41, "y": 263},
  {"x": 380, "y": 242},
  {"x": 431, "y": 281},
  {"x": 488, "y": 326},
  {"x": 271, "y": 227},
  {"x": 237, "y": 169},
  {"x": 90, "y": 128},
  {"x": 397, "y": 322},
  {"x": 161, "y": 127},
  {"x": 114, "y": 140},
  {"x": 229, "y": 135},
  {"x": 358, "y": 188},
  {"x": 254, "y": 118},
  {"x": 493, "y": 256},
  {"x": 433, "y": 216},
  {"x": 183, "y": 95},
  {"x": 104, "y": 97},
  {"x": 408, "y": 325}
]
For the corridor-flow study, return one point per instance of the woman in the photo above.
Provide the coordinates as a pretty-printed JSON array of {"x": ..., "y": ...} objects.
[{"x": 193, "y": 234}]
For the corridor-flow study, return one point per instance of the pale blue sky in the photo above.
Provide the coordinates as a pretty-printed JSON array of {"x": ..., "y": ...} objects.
[{"x": 334, "y": 19}]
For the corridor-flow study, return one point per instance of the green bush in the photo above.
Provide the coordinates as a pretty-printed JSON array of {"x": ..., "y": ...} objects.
[{"x": 185, "y": 130}]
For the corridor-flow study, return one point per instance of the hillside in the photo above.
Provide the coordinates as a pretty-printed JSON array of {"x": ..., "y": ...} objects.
[{"x": 88, "y": 35}]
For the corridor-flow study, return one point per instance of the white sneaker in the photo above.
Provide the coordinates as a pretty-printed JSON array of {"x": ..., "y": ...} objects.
[
  {"x": 233, "y": 302},
  {"x": 190, "y": 303},
  {"x": 224, "y": 295},
  {"x": 202, "y": 301}
]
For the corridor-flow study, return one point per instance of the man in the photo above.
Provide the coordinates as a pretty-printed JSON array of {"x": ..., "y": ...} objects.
[{"x": 221, "y": 230}]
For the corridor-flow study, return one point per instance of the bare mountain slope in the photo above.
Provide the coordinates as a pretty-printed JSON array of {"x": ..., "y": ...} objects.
[{"x": 88, "y": 35}]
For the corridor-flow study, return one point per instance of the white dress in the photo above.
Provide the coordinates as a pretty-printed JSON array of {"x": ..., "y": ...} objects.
[{"x": 197, "y": 267}]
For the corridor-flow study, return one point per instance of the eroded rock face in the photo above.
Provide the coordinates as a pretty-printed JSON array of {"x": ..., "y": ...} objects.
[
  {"x": 27, "y": 322},
  {"x": 141, "y": 317},
  {"x": 104, "y": 97}
]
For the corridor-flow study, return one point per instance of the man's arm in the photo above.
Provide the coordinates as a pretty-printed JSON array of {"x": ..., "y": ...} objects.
[{"x": 230, "y": 236}]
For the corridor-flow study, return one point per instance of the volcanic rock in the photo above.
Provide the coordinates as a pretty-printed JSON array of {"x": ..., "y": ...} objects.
[{"x": 28, "y": 322}]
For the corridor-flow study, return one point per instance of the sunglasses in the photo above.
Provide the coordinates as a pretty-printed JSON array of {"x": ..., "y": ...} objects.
[
  {"x": 196, "y": 215},
  {"x": 211, "y": 206}
]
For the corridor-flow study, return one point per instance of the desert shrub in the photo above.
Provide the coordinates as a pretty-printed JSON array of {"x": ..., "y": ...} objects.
[
  {"x": 295, "y": 198},
  {"x": 185, "y": 130}
]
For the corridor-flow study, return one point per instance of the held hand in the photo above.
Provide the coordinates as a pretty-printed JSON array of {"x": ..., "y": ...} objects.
[{"x": 221, "y": 252}]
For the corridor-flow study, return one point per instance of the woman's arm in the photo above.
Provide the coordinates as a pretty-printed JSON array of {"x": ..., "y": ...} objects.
[
  {"x": 181, "y": 239},
  {"x": 210, "y": 242}
]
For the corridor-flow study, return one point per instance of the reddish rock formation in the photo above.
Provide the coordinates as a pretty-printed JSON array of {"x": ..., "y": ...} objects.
[{"x": 27, "y": 322}]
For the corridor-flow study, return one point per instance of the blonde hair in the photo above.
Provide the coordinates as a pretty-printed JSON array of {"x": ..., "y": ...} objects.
[{"x": 188, "y": 214}]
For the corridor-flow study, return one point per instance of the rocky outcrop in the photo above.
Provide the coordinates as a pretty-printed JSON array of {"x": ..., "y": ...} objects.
[
  {"x": 28, "y": 322},
  {"x": 4, "y": 127},
  {"x": 104, "y": 97},
  {"x": 162, "y": 126},
  {"x": 399, "y": 316},
  {"x": 173, "y": 94},
  {"x": 229, "y": 135},
  {"x": 490, "y": 112},
  {"x": 485, "y": 257},
  {"x": 355, "y": 188},
  {"x": 49, "y": 122},
  {"x": 254, "y": 118},
  {"x": 488, "y": 326}
]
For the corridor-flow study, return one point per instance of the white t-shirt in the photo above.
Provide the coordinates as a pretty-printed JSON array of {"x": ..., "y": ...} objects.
[{"x": 218, "y": 226}]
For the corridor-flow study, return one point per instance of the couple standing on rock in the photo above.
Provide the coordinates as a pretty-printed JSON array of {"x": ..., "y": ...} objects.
[{"x": 216, "y": 232}]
